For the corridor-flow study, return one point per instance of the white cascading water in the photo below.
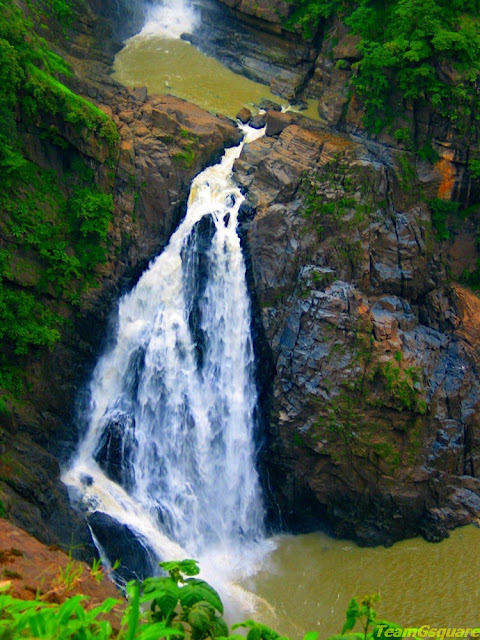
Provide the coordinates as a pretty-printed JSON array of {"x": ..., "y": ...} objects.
[
  {"x": 169, "y": 450},
  {"x": 170, "y": 19}
]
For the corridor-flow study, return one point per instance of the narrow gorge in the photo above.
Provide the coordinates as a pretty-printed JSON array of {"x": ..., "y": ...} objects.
[{"x": 272, "y": 360}]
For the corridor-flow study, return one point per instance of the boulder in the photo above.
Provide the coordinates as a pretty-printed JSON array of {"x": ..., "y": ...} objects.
[
  {"x": 258, "y": 121},
  {"x": 244, "y": 115},
  {"x": 277, "y": 121}
]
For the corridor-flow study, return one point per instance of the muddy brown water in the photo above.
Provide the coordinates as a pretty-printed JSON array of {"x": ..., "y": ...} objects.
[
  {"x": 307, "y": 582},
  {"x": 177, "y": 67}
]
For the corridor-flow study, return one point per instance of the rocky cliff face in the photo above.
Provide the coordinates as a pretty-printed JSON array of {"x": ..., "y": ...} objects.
[
  {"x": 248, "y": 38},
  {"x": 251, "y": 38},
  {"x": 373, "y": 426},
  {"x": 371, "y": 391}
]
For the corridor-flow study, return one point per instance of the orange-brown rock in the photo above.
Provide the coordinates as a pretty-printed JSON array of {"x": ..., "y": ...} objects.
[{"x": 48, "y": 573}]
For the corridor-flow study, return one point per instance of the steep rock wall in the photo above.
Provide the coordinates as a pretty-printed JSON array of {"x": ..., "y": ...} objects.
[{"x": 373, "y": 397}]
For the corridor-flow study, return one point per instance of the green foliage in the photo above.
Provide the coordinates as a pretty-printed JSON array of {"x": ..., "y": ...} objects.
[
  {"x": 184, "y": 158},
  {"x": 441, "y": 211},
  {"x": 46, "y": 93},
  {"x": 53, "y": 231},
  {"x": 401, "y": 383},
  {"x": 61, "y": 10},
  {"x": 30, "y": 75},
  {"x": 187, "y": 605},
  {"x": 407, "y": 173},
  {"x": 54, "y": 244},
  {"x": 404, "y": 135},
  {"x": 23, "y": 618},
  {"x": 166, "y": 617},
  {"x": 472, "y": 278},
  {"x": 343, "y": 213},
  {"x": 308, "y": 15},
  {"x": 257, "y": 631},
  {"x": 474, "y": 166},
  {"x": 428, "y": 153},
  {"x": 404, "y": 44}
]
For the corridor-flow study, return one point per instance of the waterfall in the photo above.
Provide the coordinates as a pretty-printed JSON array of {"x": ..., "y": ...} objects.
[
  {"x": 170, "y": 19},
  {"x": 169, "y": 451}
]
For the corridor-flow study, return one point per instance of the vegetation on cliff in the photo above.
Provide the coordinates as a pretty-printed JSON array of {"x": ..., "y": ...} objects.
[
  {"x": 420, "y": 49},
  {"x": 53, "y": 225}
]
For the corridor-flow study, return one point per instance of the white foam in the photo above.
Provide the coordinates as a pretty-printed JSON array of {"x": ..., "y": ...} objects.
[{"x": 170, "y": 19}]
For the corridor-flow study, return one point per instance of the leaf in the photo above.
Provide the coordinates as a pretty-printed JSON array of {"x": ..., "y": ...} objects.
[
  {"x": 166, "y": 602},
  {"x": 311, "y": 635},
  {"x": 351, "y": 615},
  {"x": 133, "y": 613},
  {"x": 265, "y": 632},
  {"x": 244, "y": 625},
  {"x": 156, "y": 631},
  {"x": 106, "y": 606},
  {"x": 163, "y": 592},
  {"x": 219, "y": 628},
  {"x": 195, "y": 590},
  {"x": 188, "y": 567},
  {"x": 254, "y": 634},
  {"x": 68, "y": 607},
  {"x": 152, "y": 584},
  {"x": 200, "y": 616}
]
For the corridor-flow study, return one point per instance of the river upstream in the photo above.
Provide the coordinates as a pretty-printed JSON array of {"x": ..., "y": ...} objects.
[{"x": 185, "y": 400}]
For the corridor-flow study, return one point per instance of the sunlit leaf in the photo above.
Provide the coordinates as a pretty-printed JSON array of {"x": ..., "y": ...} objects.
[{"x": 195, "y": 590}]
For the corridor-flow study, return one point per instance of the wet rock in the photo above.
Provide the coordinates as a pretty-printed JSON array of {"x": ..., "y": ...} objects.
[
  {"x": 198, "y": 263},
  {"x": 258, "y": 121},
  {"x": 301, "y": 105},
  {"x": 249, "y": 39},
  {"x": 34, "y": 498},
  {"x": 115, "y": 449},
  {"x": 244, "y": 115},
  {"x": 276, "y": 122},
  {"x": 140, "y": 94},
  {"x": 330, "y": 84},
  {"x": 135, "y": 559},
  {"x": 347, "y": 48},
  {"x": 269, "y": 105},
  {"x": 269, "y": 11}
]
